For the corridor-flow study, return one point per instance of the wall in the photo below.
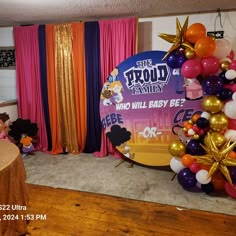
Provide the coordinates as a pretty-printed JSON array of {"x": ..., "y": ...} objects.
[
  {"x": 7, "y": 77},
  {"x": 149, "y": 28}
]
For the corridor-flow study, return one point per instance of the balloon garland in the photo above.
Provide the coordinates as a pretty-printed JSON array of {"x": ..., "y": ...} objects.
[{"x": 208, "y": 160}]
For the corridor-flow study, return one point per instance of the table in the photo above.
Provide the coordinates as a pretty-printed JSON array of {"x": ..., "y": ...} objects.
[{"x": 13, "y": 191}]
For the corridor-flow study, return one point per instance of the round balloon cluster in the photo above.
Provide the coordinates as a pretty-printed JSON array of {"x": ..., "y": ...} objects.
[{"x": 208, "y": 160}]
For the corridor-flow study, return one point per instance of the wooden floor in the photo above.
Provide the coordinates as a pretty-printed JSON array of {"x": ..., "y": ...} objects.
[{"x": 68, "y": 212}]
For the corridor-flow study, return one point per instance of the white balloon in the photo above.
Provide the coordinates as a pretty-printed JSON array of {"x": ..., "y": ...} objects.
[
  {"x": 234, "y": 96},
  {"x": 176, "y": 164},
  {"x": 206, "y": 115},
  {"x": 230, "y": 134},
  {"x": 225, "y": 59},
  {"x": 230, "y": 109},
  {"x": 191, "y": 132},
  {"x": 230, "y": 74},
  {"x": 202, "y": 177},
  {"x": 222, "y": 49}
]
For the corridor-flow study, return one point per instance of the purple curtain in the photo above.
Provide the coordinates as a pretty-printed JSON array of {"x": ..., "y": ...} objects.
[
  {"x": 43, "y": 79},
  {"x": 93, "y": 83}
]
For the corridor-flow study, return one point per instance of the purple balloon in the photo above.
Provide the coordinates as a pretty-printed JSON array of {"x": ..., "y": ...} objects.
[
  {"x": 175, "y": 59},
  {"x": 194, "y": 148},
  {"x": 212, "y": 85},
  {"x": 232, "y": 172},
  {"x": 186, "y": 178}
]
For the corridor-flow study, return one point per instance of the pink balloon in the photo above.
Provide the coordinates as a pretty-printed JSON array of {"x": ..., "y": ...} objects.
[
  {"x": 210, "y": 65},
  {"x": 233, "y": 65},
  {"x": 191, "y": 68},
  {"x": 231, "y": 55},
  {"x": 230, "y": 190},
  {"x": 232, "y": 124},
  {"x": 194, "y": 167},
  {"x": 231, "y": 87}
]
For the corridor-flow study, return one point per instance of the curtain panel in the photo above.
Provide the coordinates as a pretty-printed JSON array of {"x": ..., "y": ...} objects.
[{"x": 60, "y": 70}]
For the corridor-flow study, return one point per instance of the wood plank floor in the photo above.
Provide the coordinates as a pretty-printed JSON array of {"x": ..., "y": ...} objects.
[{"x": 74, "y": 213}]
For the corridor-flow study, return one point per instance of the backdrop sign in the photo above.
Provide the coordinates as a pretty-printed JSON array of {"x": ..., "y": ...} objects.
[{"x": 143, "y": 103}]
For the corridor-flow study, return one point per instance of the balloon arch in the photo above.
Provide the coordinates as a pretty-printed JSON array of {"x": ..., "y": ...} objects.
[{"x": 208, "y": 160}]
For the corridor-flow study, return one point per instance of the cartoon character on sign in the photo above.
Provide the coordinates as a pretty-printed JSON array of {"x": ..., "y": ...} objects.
[
  {"x": 117, "y": 89},
  {"x": 106, "y": 94},
  {"x": 113, "y": 76},
  {"x": 193, "y": 88},
  {"x": 119, "y": 137}
]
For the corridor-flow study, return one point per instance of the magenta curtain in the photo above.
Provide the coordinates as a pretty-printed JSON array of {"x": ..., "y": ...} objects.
[
  {"x": 28, "y": 79},
  {"x": 117, "y": 43}
]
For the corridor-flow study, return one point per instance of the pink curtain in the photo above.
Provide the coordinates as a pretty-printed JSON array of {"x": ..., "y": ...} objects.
[
  {"x": 28, "y": 79},
  {"x": 117, "y": 43}
]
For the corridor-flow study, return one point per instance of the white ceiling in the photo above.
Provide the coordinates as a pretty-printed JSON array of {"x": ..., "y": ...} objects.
[{"x": 20, "y": 12}]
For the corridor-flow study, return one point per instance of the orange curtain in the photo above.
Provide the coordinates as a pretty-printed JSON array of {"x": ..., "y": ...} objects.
[
  {"x": 51, "y": 83},
  {"x": 80, "y": 82}
]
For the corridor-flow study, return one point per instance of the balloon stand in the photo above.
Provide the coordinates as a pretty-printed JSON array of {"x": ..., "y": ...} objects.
[{"x": 205, "y": 159}]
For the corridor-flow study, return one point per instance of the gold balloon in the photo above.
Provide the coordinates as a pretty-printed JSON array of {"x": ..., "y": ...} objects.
[
  {"x": 218, "y": 121},
  {"x": 177, "y": 148},
  {"x": 212, "y": 104},
  {"x": 217, "y": 138},
  {"x": 178, "y": 40},
  {"x": 196, "y": 136},
  {"x": 224, "y": 65},
  {"x": 189, "y": 53}
]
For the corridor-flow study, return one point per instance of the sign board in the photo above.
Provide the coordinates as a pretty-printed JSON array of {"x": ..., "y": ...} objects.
[{"x": 142, "y": 102}]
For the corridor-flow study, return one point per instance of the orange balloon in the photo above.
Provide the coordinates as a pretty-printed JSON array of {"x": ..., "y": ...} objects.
[
  {"x": 187, "y": 160},
  {"x": 218, "y": 181},
  {"x": 232, "y": 155},
  {"x": 195, "y": 32},
  {"x": 205, "y": 47},
  {"x": 195, "y": 117}
]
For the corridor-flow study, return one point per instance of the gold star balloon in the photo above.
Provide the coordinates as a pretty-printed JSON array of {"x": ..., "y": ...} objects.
[
  {"x": 178, "y": 40},
  {"x": 217, "y": 157}
]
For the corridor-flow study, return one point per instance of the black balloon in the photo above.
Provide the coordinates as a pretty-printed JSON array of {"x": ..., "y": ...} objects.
[
  {"x": 225, "y": 94},
  {"x": 202, "y": 123},
  {"x": 224, "y": 79},
  {"x": 207, "y": 188}
]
